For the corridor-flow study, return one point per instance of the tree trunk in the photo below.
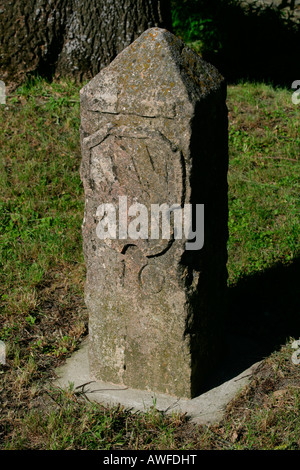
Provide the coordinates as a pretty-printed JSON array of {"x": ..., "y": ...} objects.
[{"x": 71, "y": 37}]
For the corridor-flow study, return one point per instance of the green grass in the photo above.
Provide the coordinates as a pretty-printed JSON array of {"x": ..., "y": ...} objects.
[
  {"x": 43, "y": 318},
  {"x": 263, "y": 178},
  {"x": 70, "y": 423},
  {"x": 41, "y": 202}
]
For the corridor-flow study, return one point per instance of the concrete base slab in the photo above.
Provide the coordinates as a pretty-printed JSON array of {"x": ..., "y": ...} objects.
[{"x": 207, "y": 408}]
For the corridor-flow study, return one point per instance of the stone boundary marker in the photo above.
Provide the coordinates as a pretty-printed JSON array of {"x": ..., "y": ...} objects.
[{"x": 154, "y": 130}]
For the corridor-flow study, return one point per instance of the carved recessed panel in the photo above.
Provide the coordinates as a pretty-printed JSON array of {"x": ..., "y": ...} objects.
[{"x": 144, "y": 167}]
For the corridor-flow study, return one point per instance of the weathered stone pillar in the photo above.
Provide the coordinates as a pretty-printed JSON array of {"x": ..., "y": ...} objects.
[{"x": 154, "y": 131}]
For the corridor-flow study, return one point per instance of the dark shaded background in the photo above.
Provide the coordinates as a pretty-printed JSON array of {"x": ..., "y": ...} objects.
[{"x": 256, "y": 43}]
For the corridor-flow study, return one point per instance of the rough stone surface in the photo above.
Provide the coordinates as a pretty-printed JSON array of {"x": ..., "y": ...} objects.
[{"x": 154, "y": 129}]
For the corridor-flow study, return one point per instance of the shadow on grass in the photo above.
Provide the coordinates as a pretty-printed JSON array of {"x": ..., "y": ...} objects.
[{"x": 263, "y": 313}]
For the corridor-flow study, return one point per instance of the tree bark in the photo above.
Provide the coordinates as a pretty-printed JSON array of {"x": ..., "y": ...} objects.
[{"x": 74, "y": 38}]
